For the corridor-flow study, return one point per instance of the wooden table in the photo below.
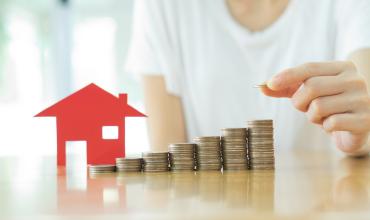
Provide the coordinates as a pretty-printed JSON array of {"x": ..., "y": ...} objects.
[{"x": 305, "y": 185}]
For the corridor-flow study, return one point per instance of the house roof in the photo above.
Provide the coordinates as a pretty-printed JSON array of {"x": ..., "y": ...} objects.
[{"x": 92, "y": 100}]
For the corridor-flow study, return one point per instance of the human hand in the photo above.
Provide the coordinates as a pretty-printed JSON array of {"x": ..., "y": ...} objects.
[{"x": 333, "y": 95}]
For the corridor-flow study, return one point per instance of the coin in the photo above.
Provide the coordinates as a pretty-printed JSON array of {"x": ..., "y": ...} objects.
[
  {"x": 261, "y": 144},
  {"x": 100, "y": 169},
  {"x": 129, "y": 164},
  {"x": 262, "y": 85},
  {"x": 234, "y": 148},
  {"x": 155, "y": 161},
  {"x": 182, "y": 156},
  {"x": 208, "y": 153}
]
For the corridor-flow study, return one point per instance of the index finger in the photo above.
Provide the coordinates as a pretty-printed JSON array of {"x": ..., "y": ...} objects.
[
  {"x": 283, "y": 93},
  {"x": 297, "y": 75}
]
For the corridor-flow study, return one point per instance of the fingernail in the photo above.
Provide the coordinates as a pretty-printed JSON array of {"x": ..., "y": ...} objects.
[
  {"x": 270, "y": 84},
  {"x": 274, "y": 82}
]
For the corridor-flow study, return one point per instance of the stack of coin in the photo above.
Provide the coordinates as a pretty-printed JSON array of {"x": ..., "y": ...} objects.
[
  {"x": 128, "y": 164},
  {"x": 234, "y": 146},
  {"x": 100, "y": 169},
  {"x": 208, "y": 153},
  {"x": 261, "y": 144},
  {"x": 155, "y": 161},
  {"x": 182, "y": 156}
]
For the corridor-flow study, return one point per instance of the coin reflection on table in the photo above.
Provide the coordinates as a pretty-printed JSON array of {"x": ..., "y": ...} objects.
[
  {"x": 184, "y": 184},
  {"x": 262, "y": 189},
  {"x": 211, "y": 186},
  {"x": 304, "y": 183},
  {"x": 156, "y": 190},
  {"x": 236, "y": 189}
]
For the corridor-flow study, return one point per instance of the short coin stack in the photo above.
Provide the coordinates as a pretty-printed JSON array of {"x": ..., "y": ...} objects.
[
  {"x": 234, "y": 148},
  {"x": 128, "y": 164},
  {"x": 182, "y": 156},
  {"x": 208, "y": 154},
  {"x": 155, "y": 161},
  {"x": 261, "y": 144},
  {"x": 101, "y": 169}
]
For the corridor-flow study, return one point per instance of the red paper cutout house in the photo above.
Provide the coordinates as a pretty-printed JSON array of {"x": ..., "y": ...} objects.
[{"x": 82, "y": 116}]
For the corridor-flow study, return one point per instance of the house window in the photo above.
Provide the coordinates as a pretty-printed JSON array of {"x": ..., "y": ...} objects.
[{"x": 110, "y": 132}]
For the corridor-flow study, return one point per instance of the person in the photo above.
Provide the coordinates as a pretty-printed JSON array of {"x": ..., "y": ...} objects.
[{"x": 199, "y": 62}]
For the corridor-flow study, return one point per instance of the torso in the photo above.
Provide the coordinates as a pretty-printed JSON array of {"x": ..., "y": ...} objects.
[
  {"x": 223, "y": 60},
  {"x": 218, "y": 61}
]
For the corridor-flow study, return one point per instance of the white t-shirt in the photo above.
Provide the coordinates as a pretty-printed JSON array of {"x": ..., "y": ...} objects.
[{"x": 212, "y": 62}]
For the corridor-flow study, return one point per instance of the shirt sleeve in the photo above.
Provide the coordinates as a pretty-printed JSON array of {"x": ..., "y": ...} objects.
[
  {"x": 152, "y": 50},
  {"x": 353, "y": 26}
]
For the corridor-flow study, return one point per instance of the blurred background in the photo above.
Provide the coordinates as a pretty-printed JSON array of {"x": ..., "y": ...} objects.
[{"x": 50, "y": 48}]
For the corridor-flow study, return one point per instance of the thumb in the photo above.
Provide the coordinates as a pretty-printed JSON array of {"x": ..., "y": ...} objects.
[{"x": 284, "y": 80}]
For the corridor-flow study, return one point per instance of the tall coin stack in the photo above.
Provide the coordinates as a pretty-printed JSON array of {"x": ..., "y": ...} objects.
[
  {"x": 128, "y": 164},
  {"x": 234, "y": 148},
  {"x": 208, "y": 154},
  {"x": 261, "y": 144},
  {"x": 182, "y": 156},
  {"x": 155, "y": 161}
]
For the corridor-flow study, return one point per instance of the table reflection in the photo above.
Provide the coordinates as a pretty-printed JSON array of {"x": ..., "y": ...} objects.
[
  {"x": 122, "y": 192},
  {"x": 300, "y": 184},
  {"x": 352, "y": 187},
  {"x": 100, "y": 194}
]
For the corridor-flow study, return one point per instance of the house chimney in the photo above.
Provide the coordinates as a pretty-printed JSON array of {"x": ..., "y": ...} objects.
[{"x": 122, "y": 98}]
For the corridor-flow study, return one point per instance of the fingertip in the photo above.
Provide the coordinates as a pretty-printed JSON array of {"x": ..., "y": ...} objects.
[
  {"x": 265, "y": 90},
  {"x": 269, "y": 92},
  {"x": 270, "y": 84},
  {"x": 275, "y": 82}
]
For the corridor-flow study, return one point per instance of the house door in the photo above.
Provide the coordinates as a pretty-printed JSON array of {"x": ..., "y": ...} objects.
[{"x": 76, "y": 160}]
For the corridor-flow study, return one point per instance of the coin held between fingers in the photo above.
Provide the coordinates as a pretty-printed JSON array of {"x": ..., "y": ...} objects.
[{"x": 262, "y": 85}]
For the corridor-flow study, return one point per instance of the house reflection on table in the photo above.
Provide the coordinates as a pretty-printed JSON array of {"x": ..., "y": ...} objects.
[{"x": 101, "y": 194}]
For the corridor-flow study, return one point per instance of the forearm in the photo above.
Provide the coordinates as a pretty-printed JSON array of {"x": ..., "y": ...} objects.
[{"x": 166, "y": 122}]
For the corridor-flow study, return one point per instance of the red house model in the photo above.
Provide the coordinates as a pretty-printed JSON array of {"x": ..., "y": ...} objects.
[{"x": 84, "y": 115}]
